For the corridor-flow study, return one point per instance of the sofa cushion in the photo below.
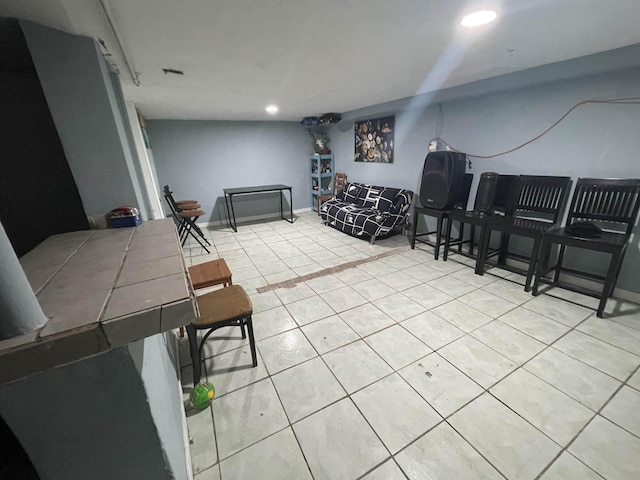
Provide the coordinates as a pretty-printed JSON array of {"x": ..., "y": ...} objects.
[
  {"x": 371, "y": 196},
  {"x": 386, "y": 199},
  {"x": 350, "y": 193}
]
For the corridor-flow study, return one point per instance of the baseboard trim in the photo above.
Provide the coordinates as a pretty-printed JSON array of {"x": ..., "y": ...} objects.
[{"x": 252, "y": 218}]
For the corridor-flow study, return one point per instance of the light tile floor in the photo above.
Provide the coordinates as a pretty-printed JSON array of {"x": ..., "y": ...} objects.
[{"x": 405, "y": 367}]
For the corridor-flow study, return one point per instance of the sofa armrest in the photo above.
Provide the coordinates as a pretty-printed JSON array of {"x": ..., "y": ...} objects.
[{"x": 402, "y": 202}]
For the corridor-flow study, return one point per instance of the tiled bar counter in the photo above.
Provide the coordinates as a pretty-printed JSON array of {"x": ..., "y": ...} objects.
[
  {"x": 101, "y": 373},
  {"x": 100, "y": 289}
]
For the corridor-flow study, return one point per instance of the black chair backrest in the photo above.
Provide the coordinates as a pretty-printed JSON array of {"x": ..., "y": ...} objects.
[
  {"x": 542, "y": 197},
  {"x": 611, "y": 202},
  {"x": 168, "y": 196}
]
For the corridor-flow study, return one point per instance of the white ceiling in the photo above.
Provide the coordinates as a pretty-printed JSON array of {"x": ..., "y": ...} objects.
[{"x": 315, "y": 56}]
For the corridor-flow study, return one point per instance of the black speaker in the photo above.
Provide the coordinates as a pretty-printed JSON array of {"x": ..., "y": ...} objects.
[
  {"x": 442, "y": 180},
  {"x": 486, "y": 192},
  {"x": 465, "y": 190},
  {"x": 495, "y": 192},
  {"x": 507, "y": 191}
]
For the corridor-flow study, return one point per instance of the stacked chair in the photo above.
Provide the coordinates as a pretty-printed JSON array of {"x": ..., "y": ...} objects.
[
  {"x": 185, "y": 213},
  {"x": 227, "y": 306},
  {"x": 601, "y": 217},
  {"x": 540, "y": 202}
]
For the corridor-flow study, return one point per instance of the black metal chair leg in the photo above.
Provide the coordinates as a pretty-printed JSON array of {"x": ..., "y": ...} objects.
[
  {"x": 543, "y": 262},
  {"x": 413, "y": 230},
  {"x": 484, "y": 248},
  {"x": 438, "y": 238},
  {"x": 472, "y": 238},
  {"x": 252, "y": 342},
  {"x": 556, "y": 275},
  {"x": 504, "y": 248},
  {"x": 447, "y": 239},
  {"x": 610, "y": 281},
  {"x": 192, "y": 334},
  {"x": 483, "y": 245},
  {"x": 535, "y": 253}
]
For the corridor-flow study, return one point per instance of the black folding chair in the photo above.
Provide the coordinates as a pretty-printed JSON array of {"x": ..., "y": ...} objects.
[
  {"x": 185, "y": 216},
  {"x": 601, "y": 218},
  {"x": 540, "y": 202}
]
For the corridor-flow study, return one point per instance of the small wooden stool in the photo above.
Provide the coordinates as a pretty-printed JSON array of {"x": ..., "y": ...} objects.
[
  {"x": 221, "y": 308},
  {"x": 208, "y": 274}
]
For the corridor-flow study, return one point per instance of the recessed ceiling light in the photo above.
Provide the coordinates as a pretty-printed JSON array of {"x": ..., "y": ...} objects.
[
  {"x": 478, "y": 18},
  {"x": 272, "y": 109}
]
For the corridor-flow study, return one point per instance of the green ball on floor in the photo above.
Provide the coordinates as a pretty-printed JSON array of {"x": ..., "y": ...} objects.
[{"x": 202, "y": 395}]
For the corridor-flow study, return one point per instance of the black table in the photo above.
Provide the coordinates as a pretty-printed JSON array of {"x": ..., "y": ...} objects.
[{"x": 230, "y": 192}]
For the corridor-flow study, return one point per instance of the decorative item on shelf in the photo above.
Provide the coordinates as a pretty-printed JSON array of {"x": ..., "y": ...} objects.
[
  {"x": 319, "y": 141},
  {"x": 317, "y": 128}
]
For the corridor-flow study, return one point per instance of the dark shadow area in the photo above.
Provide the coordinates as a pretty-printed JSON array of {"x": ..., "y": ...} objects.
[
  {"x": 38, "y": 194},
  {"x": 14, "y": 462}
]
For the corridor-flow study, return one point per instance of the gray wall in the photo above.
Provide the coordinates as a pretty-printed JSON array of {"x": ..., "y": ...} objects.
[
  {"x": 93, "y": 418},
  {"x": 75, "y": 82},
  {"x": 156, "y": 361},
  {"x": 594, "y": 140},
  {"x": 197, "y": 159}
]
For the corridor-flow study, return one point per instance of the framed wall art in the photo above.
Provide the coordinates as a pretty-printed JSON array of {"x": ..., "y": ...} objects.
[{"x": 374, "y": 140}]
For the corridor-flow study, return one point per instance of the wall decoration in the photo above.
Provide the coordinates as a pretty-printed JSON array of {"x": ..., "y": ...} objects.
[{"x": 374, "y": 140}]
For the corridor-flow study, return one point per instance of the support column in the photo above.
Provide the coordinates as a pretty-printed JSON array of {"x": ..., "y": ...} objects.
[{"x": 19, "y": 308}]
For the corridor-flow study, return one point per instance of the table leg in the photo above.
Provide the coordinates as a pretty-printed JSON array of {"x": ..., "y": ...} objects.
[
  {"x": 232, "y": 215},
  {"x": 281, "y": 193},
  {"x": 290, "y": 206}
]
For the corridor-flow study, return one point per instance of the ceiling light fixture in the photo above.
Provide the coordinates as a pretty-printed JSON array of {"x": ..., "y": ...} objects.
[
  {"x": 271, "y": 109},
  {"x": 478, "y": 18}
]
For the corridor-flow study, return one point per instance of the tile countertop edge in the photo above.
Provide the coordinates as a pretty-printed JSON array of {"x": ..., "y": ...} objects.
[
  {"x": 43, "y": 354},
  {"x": 31, "y": 354}
]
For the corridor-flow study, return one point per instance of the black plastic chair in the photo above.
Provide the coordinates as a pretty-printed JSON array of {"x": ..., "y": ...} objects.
[
  {"x": 601, "y": 218},
  {"x": 541, "y": 200},
  {"x": 490, "y": 201},
  {"x": 442, "y": 218}
]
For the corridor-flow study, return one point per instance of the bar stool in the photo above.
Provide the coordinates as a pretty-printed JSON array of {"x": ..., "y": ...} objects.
[
  {"x": 209, "y": 274},
  {"x": 226, "y": 307},
  {"x": 185, "y": 216}
]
